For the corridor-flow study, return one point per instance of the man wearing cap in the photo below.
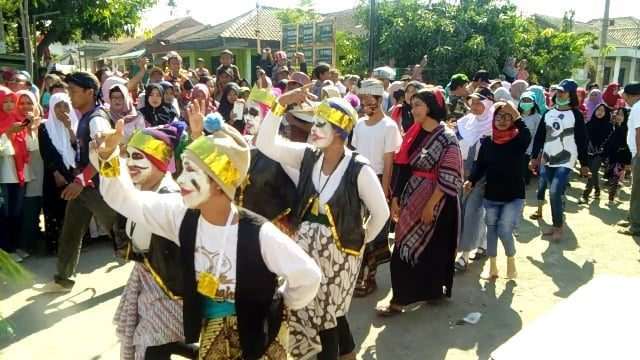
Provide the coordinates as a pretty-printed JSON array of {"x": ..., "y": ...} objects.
[
  {"x": 226, "y": 61},
  {"x": 149, "y": 317},
  {"x": 456, "y": 102},
  {"x": 82, "y": 195},
  {"x": 201, "y": 69},
  {"x": 480, "y": 79},
  {"x": 334, "y": 187},
  {"x": 231, "y": 257},
  {"x": 377, "y": 138},
  {"x": 631, "y": 95},
  {"x": 560, "y": 141}
]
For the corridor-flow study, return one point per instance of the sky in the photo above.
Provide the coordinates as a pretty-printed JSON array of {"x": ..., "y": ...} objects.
[{"x": 213, "y": 12}]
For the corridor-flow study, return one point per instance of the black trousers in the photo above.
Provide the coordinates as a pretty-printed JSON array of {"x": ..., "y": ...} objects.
[
  {"x": 164, "y": 352},
  {"x": 337, "y": 341}
]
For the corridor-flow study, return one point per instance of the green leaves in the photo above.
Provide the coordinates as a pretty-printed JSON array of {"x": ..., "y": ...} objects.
[{"x": 471, "y": 35}]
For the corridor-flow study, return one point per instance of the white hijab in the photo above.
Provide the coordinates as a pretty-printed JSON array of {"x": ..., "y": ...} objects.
[
  {"x": 58, "y": 134},
  {"x": 473, "y": 127},
  {"x": 502, "y": 94}
]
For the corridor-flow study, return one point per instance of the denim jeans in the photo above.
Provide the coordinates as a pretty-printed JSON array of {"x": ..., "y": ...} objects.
[
  {"x": 502, "y": 218},
  {"x": 557, "y": 179},
  {"x": 542, "y": 184},
  {"x": 473, "y": 227}
]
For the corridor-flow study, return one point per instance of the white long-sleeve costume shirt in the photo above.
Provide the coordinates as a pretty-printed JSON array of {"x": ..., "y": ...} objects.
[
  {"x": 164, "y": 214},
  {"x": 290, "y": 154}
]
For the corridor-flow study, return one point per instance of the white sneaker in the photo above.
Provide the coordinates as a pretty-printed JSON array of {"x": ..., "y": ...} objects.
[
  {"x": 23, "y": 254},
  {"x": 16, "y": 257},
  {"x": 52, "y": 287}
]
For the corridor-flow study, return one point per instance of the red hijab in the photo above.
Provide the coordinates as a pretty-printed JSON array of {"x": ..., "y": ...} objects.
[
  {"x": 610, "y": 95},
  {"x": 18, "y": 139}
]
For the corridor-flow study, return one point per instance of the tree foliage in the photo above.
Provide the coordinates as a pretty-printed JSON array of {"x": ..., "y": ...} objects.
[
  {"x": 304, "y": 12},
  {"x": 74, "y": 20},
  {"x": 469, "y": 35},
  {"x": 350, "y": 53}
]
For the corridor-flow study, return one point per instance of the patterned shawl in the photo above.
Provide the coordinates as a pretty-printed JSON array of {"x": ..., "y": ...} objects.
[{"x": 440, "y": 154}]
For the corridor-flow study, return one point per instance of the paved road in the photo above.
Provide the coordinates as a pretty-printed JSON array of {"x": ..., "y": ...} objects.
[{"x": 78, "y": 325}]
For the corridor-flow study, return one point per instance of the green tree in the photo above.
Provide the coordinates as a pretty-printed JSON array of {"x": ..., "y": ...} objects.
[
  {"x": 350, "y": 51},
  {"x": 470, "y": 35},
  {"x": 302, "y": 13},
  {"x": 72, "y": 20}
]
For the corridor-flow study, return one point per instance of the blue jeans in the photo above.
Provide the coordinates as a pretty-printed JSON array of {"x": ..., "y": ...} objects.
[
  {"x": 557, "y": 179},
  {"x": 502, "y": 218},
  {"x": 542, "y": 184}
]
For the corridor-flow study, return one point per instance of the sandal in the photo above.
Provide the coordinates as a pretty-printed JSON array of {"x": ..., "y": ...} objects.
[
  {"x": 479, "y": 254},
  {"x": 389, "y": 310},
  {"x": 535, "y": 216},
  {"x": 461, "y": 265},
  {"x": 363, "y": 291}
]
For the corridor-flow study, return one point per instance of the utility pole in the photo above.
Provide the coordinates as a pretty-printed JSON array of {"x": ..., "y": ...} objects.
[
  {"x": 3, "y": 43},
  {"x": 258, "y": 29},
  {"x": 26, "y": 36},
  {"x": 603, "y": 44},
  {"x": 372, "y": 34}
]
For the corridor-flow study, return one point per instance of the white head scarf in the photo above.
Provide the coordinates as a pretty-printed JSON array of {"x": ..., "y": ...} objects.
[
  {"x": 58, "y": 134},
  {"x": 473, "y": 127},
  {"x": 502, "y": 94},
  {"x": 108, "y": 84}
]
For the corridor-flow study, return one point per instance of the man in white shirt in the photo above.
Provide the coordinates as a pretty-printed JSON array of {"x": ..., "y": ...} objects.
[
  {"x": 377, "y": 138},
  {"x": 631, "y": 96}
]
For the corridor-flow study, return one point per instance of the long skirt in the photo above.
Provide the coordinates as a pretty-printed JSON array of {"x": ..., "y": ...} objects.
[
  {"x": 432, "y": 276},
  {"x": 220, "y": 340},
  {"x": 146, "y": 316},
  {"x": 339, "y": 275}
]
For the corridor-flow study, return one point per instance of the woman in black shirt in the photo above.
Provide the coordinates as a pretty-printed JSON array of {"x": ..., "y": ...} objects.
[{"x": 500, "y": 160}]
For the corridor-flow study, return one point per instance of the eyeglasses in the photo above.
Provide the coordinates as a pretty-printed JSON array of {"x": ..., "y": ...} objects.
[{"x": 504, "y": 117}]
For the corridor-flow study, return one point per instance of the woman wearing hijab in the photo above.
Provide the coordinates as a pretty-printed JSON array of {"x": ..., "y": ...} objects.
[
  {"x": 28, "y": 110},
  {"x": 170, "y": 93},
  {"x": 611, "y": 96},
  {"x": 155, "y": 111},
  {"x": 201, "y": 93},
  {"x": 531, "y": 117},
  {"x": 471, "y": 128},
  {"x": 502, "y": 94},
  {"x": 14, "y": 171},
  {"x": 57, "y": 146},
  {"x": 122, "y": 108},
  {"x": 518, "y": 87},
  {"x": 541, "y": 105},
  {"x": 618, "y": 152},
  {"x": 559, "y": 142},
  {"x": 227, "y": 100},
  {"x": 594, "y": 99},
  {"x": 499, "y": 160},
  {"x": 599, "y": 132}
]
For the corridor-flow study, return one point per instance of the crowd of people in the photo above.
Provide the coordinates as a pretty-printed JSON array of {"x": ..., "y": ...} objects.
[{"x": 255, "y": 215}]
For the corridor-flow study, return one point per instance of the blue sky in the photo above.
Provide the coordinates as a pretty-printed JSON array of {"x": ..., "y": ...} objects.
[{"x": 216, "y": 11}]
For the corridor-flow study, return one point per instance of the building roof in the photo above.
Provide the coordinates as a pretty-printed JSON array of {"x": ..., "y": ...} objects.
[
  {"x": 242, "y": 27},
  {"x": 618, "y": 35},
  {"x": 628, "y": 36},
  {"x": 346, "y": 21},
  {"x": 159, "y": 32}
]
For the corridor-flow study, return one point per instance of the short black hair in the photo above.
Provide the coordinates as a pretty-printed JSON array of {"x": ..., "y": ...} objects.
[
  {"x": 85, "y": 80},
  {"x": 320, "y": 69}
]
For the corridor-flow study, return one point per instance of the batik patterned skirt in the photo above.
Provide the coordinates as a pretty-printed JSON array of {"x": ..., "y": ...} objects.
[
  {"x": 339, "y": 275},
  {"x": 146, "y": 316},
  {"x": 220, "y": 340}
]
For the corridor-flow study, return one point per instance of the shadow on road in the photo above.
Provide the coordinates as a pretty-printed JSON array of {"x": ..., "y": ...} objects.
[{"x": 37, "y": 315}]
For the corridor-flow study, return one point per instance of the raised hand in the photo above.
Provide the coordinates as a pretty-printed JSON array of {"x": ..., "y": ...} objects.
[{"x": 108, "y": 141}]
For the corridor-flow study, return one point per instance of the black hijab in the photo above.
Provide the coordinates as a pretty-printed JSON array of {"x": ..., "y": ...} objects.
[
  {"x": 599, "y": 130},
  {"x": 226, "y": 107},
  {"x": 163, "y": 114}
]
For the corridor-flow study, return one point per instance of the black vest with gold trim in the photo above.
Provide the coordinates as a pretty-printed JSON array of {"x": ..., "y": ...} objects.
[
  {"x": 268, "y": 190},
  {"x": 344, "y": 209},
  {"x": 259, "y": 306}
]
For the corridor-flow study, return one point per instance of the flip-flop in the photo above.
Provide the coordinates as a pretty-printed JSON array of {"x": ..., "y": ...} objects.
[
  {"x": 388, "y": 311},
  {"x": 628, "y": 232},
  {"x": 461, "y": 266},
  {"x": 479, "y": 254},
  {"x": 535, "y": 216}
]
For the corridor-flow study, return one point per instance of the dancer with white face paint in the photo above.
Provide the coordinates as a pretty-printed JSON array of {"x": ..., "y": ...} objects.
[
  {"x": 334, "y": 184},
  {"x": 149, "y": 317},
  {"x": 231, "y": 258}
]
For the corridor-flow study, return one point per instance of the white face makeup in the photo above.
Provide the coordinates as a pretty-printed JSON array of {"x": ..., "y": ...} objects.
[
  {"x": 252, "y": 119},
  {"x": 321, "y": 133},
  {"x": 140, "y": 168},
  {"x": 195, "y": 184}
]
